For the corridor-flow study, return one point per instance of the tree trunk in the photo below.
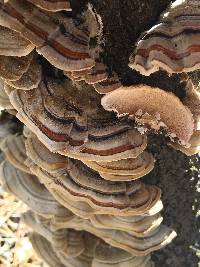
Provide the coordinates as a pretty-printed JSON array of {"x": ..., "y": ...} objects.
[{"x": 175, "y": 173}]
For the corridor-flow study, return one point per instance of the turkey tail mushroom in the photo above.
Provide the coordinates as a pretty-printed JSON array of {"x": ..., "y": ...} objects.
[
  {"x": 30, "y": 78},
  {"x": 116, "y": 239},
  {"x": 139, "y": 226},
  {"x": 153, "y": 107},
  {"x": 74, "y": 125},
  {"x": 173, "y": 44},
  {"x": 44, "y": 250},
  {"x": 28, "y": 189},
  {"x": 110, "y": 84},
  {"x": 13, "y": 44},
  {"x": 67, "y": 241},
  {"x": 14, "y": 149},
  {"x": 95, "y": 75},
  {"x": 56, "y": 37},
  {"x": 125, "y": 169},
  {"x": 131, "y": 199},
  {"x": 192, "y": 101},
  {"x": 4, "y": 99},
  {"x": 94, "y": 256},
  {"x": 12, "y": 68},
  {"x": 194, "y": 145},
  {"x": 53, "y": 6}
]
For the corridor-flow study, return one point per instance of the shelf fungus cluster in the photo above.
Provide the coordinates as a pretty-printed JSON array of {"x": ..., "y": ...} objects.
[
  {"x": 77, "y": 166},
  {"x": 68, "y": 200},
  {"x": 173, "y": 44}
]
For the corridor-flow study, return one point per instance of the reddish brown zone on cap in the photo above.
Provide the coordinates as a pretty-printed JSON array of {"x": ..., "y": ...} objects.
[
  {"x": 42, "y": 34},
  {"x": 108, "y": 204},
  {"x": 171, "y": 54},
  {"x": 110, "y": 151},
  {"x": 57, "y": 137}
]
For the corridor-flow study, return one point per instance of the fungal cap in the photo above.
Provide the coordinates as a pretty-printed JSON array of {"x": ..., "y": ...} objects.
[{"x": 153, "y": 107}]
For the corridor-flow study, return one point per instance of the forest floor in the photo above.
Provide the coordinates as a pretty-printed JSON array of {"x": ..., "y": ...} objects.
[{"x": 15, "y": 248}]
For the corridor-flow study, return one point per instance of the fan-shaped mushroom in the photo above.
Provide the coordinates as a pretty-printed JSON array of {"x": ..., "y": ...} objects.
[
  {"x": 154, "y": 107},
  {"x": 110, "y": 84},
  {"x": 192, "y": 101},
  {"x": 173, "y": 44},
  {"x": 12, "y": 68},
  {"x": 56, "y": 37},
  {"x": 137, "y": 200},
  {"x": 54, "y": 6},
  {"x": 27, "y": 188},
  {"x": 75, "y": 128},
  {"x": 30, "y": 78},
  {"x": 131, "y": 244},
  {"x": 13, "y": 44},
  {"x": 194, "y": 145},
  {"x": 117, "y": 257},
  {"x": 125, "y": 169},
  {"x": 45, "y": 251},
  {"x": 67, "y": 241},
  {"x": 96, "y": 74},
  {"x": 7, "y": 126},
  {"x": 14, "y": 149},
  {"x": 4, "y": 99},
  {"x": 135, "y": 225},
  {"x": 109, "y": 256}
]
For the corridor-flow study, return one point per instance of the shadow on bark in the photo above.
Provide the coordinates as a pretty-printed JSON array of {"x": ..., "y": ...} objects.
[{"x": 177, "y": 175}]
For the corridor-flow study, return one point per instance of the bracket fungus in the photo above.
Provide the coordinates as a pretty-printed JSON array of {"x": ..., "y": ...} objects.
[
  {"x": 173, "y": 44},
  {"x": 30, "y": 78},
  {"x": 153, "y": 107},
  {"x": 4, "y": 99},
  {"x": 101, "y": 195},
  {"x": 54, "y": 6},
  {"x": 194, "y": 145},
  {"x": 13, "y": 44},
  {"x": 124, "y": 169},
  {"x": 72, "y": 128},
  {"x": 27, "y": 188},
  {"x": 95, "y": 255},
  {"x": 131, "y": 244},
  {"x": 62, "y": 43},
  {"x": 12, "y": 68},
  {"x": 14, "y": 149},
  {"x": 67, "y": 241},
  {"x": 110, "y": 84}
]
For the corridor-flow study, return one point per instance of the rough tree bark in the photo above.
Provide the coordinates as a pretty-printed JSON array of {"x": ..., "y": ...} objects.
[{"x": 174, "y": 173}]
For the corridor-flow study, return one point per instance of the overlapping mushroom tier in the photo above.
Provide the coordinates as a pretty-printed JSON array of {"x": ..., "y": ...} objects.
[
  {"x": 138, "y": 234},
  {"x": 63, "y": 41},
  {"x": 54, "y": 35},
  {"x": 71, "y": 122},
  {"x": 173, "y": 44},
  {"x": 96, "y": 254}
]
